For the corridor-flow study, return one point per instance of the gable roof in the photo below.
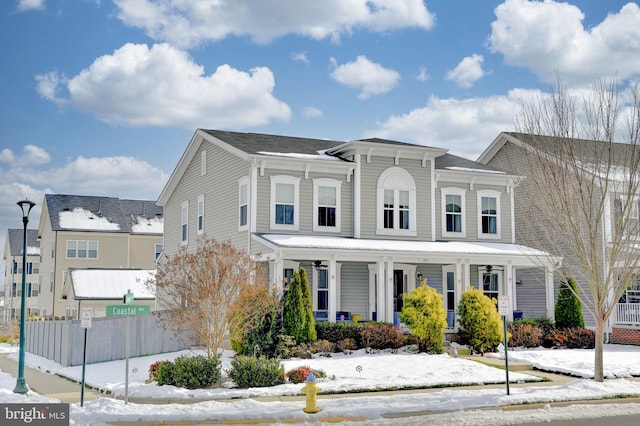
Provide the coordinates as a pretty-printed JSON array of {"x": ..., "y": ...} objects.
[
  {"x": 104, "y": 214},
  {"x": 15, "y": 239},
  {"x": 453, "y": 162},
  {"x": 110, "y": 284},
  {"x": 256, "y": 143}
]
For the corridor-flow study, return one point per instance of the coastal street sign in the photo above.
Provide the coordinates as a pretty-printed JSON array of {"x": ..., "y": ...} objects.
[{"x": 128, "y": 310}]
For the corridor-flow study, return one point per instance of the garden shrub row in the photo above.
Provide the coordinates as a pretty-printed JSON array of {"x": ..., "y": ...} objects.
[
  {"x": 535, "y": 332},
  {"x": 374, "y": 335},
  {"x": 190, "y": 372}
]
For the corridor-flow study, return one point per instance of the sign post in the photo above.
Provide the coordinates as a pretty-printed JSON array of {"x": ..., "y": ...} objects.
[
  {"x": 128, "y": 300},
  {"x": 503, "y": 309},
  {"x": 85, "y": 323}
]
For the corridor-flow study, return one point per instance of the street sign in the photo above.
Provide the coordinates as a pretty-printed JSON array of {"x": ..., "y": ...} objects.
[
  {"x": 85, "y": 320},
  {"x": 127, "y": 299},
  {"x": 503, "y": 305},
  {"x": 128, "y": 310}
]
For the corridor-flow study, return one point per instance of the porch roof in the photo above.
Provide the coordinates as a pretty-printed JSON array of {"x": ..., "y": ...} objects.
[{"x": 434, "y": 251}]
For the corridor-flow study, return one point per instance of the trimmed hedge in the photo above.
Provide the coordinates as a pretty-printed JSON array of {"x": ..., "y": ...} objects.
[{"x": 249, "y": 372}]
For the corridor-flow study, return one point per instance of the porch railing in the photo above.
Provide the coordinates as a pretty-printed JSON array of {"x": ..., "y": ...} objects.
[{"x": 628, "y": 313}]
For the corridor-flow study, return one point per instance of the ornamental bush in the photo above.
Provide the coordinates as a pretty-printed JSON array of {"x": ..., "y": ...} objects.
[
  {"x": 423, "y": 313},
  {"x": 299, "y": 374},
  {"x": 381, "y": 335},
  {"x": 295, "y": 314},
  {"x": 248, "y": 372},
  {"x": 480, "y": 324},
  {"x": 190, "y": 372},
  {"x": 568, "y": 308},
  {"x": 524, "y": 334},
  {"x": 338, "y": 331}
]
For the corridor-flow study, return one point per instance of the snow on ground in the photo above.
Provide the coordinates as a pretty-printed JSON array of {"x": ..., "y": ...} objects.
[{"x": 377, "y": 371}]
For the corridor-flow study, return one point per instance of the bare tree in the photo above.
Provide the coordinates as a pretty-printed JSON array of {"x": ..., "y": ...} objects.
[
  {"x": 198, "y": 288},
  {"x": 582, "y": 189}
]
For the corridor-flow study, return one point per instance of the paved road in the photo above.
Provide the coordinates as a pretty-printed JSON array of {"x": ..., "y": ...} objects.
[{"x": 600, "y": 421}]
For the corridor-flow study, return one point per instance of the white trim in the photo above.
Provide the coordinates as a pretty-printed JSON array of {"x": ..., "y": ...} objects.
[
  {"x": 199, "y": 228},
  {"x": 286, "y": 180},
  {"x": 330, "y": 183},
  {"x": 396, "y": 179},
  {"x": 203, "y": 162},
  {"x": 487, "y": 193},
  {"x": 357, "y": 196},
  {"x": 443, "y": 210}
]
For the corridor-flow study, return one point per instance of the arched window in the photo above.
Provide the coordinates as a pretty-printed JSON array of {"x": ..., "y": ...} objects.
[{"x": 396, "y": 203}]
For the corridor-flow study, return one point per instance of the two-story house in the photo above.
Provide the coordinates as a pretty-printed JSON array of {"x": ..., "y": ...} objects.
[
  {"x": 600, "y": 167},
  {"x": 368, "y": 219},
  {"x": 100, "y": 233},
  {"x": 13, "y": 252}
]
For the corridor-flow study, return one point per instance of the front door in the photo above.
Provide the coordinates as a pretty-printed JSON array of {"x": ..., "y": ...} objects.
[{"x": 399, "y": 288}]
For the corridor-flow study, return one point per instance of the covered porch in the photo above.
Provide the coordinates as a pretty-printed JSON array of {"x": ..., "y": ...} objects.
[{"x": 367, "y": 277}]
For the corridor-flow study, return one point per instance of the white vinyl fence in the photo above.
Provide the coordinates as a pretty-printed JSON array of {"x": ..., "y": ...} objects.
[{"x": 63, "y": 341}]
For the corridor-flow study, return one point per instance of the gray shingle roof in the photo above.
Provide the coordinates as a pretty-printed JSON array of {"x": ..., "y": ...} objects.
[
  {"x": 16, "y": 242},
  {"x": 115, "y": 210},
  {"x": 450, "y": 160},
  {"x": 253, "y": 143}
]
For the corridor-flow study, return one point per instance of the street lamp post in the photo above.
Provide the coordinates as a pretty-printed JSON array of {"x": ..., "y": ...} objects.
[{"x": 21, "y": 385}]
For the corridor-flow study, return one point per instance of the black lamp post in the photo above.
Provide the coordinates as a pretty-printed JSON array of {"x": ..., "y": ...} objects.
[{"x": 21, "y": 385}]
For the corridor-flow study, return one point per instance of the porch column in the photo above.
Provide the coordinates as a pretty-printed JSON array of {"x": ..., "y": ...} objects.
[
  {"x": 277, "y": 273},
  {"x": 548, "y": 286},
  {"x": 333, "y": 293},
  {"x": 459, "y": 286},
  {"x": 389, "y": 294},
  {"x": 380, "y": 291},
  {"x": 511, "y": 289}
]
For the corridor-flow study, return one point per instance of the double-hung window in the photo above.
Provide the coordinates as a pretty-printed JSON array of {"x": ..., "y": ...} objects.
[
  {"x": 284, "y": 202},
  {"x": 488, "y": 214},
  {"x": 200, "y": 214},
  {"x": 243, "y": 208},
  {"x": 82, "y": 249},
  {"x": 491, "y": 284},
  {"x": 184, "y": 228},
  {"x": 326, "y": 205},
  {"x": 453, "y": 211},
  {"x": 396, "y": 203}
]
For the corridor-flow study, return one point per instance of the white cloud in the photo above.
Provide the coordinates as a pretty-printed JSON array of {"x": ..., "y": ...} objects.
[
  {"x": 468, "y": 71},
  {"x": 549, "y": 36},
  {"x": 122, "y": 177},
  {"x": 25, "y": 5},
  {"x": 162, "y": 86},
  {"x": 423, "y": 75},
  {"x": 464, "y": 126},
  {"x": 311, "y": 112},
  {"x": 369, "y": 77},
  {"x": 32, "y": 155},
  {"x": 300, "y": 57},
  {"x": 187, "y": 23}
]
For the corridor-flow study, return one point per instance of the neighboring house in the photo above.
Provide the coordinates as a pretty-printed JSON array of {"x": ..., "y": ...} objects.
[
  {"x": 507, "y": 152},
  {"x": 13, "y": 247},
  {"x": 368, "y": 219},
  {"x": 87, "y": 232},
  {"x": 99, "y": 288}
]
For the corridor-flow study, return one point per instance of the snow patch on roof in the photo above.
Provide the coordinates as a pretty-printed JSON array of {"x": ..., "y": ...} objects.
[
  {"x": 468, "y": 169},
  {"x": 79, "y": 218},
  {"x": 320, "y": 156},
  {"x": 143, "y": 225},
  {"x": 33, "y": 251},
  {"x": 111, "y": 283}
]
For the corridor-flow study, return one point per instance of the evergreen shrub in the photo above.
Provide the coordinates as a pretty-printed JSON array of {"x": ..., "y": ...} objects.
[
  {"x": 249, "y": 372},
  {"x": 424, "y": 314},
  {"x": 480, "y": 324}
]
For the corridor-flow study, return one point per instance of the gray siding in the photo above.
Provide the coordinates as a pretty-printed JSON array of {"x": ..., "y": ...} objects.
[
  {"x": 354, "y": 296},
  {"x": 531, "y": 293},
  {"x": 370, "y": 173}
]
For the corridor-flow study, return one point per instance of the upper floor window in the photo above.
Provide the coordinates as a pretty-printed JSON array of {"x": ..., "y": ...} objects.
[
  {"x": 184, "y": 229},
  {"x": 284, "y": 202},
  {"x": 631, "y": 226},
  {"x": 243, "y": 208},
  {"x": 200, "y": 214},
  {"x": 203, "y": 163},
  {"x": 82, "y": 249},
  {"x": 158, "y": 250},
  {"x": 396, "y": 202},
  {"x": 326, "y": 205},
  {"x": 453, "y": 220},
  {"x": 488, "y": 214}
]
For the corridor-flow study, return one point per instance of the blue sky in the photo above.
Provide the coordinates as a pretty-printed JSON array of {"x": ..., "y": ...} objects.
[{"x": 101, "y": 97}]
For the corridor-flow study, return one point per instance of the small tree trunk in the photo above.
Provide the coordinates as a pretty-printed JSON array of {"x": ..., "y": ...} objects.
[{"x": 598, "y": 374}]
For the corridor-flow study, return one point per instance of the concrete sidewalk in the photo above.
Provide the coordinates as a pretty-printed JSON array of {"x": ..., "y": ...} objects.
[{"x": 47, "y": 384}]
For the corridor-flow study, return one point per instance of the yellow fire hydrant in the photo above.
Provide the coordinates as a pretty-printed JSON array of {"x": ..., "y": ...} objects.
[{"x": 311, "y": 389}]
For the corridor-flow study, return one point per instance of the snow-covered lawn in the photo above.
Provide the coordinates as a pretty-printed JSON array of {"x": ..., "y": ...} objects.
[
  {"x": 619, "y": 360},
  {"x": 357, "y": 371}
]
